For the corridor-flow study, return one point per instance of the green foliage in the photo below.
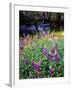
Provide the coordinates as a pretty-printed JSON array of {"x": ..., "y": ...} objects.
[{"x": 34, "y": 52}]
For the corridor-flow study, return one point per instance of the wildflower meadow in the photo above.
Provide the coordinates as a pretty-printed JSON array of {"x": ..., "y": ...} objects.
[{"x": 41, "y": 54}]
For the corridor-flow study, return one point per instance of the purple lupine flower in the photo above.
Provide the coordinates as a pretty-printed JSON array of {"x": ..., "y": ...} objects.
[
  {"x": 56, "y": 56},
  {"x": 44, "y": 51},
  {"x": 50, "y": 56},
  {"x": 51, "y": 71},
  {"x": 52, "y": 50},
  {"x": 36, "y": 66}
]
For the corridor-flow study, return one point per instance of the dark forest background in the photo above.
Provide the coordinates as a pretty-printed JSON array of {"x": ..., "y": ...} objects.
[{"x": 52, "y": 19}]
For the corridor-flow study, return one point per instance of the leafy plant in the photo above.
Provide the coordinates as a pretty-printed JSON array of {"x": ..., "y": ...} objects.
[{"x": 51, "y": 55}]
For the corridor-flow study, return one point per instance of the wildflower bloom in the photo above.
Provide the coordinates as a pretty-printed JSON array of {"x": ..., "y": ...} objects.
[
  {"x": 53, "y": 50},
  {"x": 50, "y": 56},
  {"x": 51, "y": 71},
  {"x": 56, "y": 55},
  {"x": 36, "y": 66},
  {"x": 44, "y": 51}
]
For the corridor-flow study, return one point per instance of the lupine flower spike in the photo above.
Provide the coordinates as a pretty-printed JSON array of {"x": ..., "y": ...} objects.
[
  {"x": 56, "y": 55},
  {"x": 51, "y": 71}
]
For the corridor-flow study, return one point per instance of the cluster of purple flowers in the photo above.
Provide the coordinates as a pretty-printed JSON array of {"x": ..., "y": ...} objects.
[
  {"x": 44, "y": 51},
  {"x": 36, "y": 66},
  {"x": 52, "y": 54},
  {"x": 55, "y": 54}
]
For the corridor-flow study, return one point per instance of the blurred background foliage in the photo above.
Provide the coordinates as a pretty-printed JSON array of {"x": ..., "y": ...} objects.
[{"x": 56, "y": 20}]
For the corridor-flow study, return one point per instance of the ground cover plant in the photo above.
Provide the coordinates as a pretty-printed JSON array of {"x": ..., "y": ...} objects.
[{"x": 43, "y": 57}]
